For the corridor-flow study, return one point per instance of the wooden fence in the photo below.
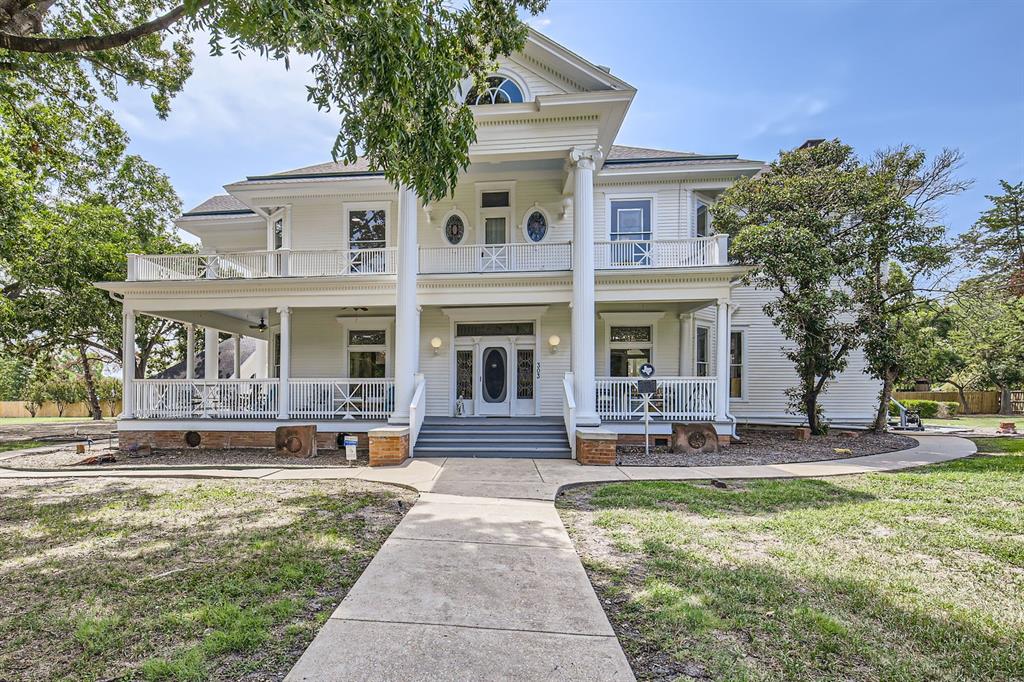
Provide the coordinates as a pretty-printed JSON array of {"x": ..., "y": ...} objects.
[
  {"x": 978, "y": 402},
  {"x": 16, "y": 408}
]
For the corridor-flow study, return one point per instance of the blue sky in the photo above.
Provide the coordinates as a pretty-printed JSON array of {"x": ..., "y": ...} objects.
[{"x": 716, "y": 77}]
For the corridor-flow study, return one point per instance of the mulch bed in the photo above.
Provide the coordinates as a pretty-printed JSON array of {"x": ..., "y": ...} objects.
[{"x": 771, "y": 447}]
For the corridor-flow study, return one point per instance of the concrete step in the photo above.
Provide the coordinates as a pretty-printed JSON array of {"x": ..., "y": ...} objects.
[
  {"x": 492, "y": 451},
  {"x": 495, "y": 433},
  {"x": 492, "y": 442},
  {"x": 494, "y": 421}
]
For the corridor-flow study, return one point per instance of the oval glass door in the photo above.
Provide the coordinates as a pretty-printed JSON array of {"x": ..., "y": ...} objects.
[{"x": 495, "y": 375}]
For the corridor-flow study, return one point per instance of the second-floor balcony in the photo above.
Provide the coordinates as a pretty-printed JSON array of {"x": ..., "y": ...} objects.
[{"x": 433, "y": 260}]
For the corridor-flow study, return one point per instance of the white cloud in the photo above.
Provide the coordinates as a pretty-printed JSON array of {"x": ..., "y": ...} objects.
[{"x": 540, "y": 22}]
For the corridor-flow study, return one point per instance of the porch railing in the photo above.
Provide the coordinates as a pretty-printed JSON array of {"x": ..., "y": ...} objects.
[
  {"x": 341, "y": 398},
  {"x": 196, "y": 398},
  {"x": 472, "y": 258},
  {"x": 262, "y": 264},
  {"x": 662, "y": 253},
  {"x": 569, "y": 409},
  {"x": 676, "y": 399},
  {"x": 417, "y": 409}
]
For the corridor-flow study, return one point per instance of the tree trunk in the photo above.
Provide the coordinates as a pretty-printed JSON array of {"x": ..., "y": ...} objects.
[
  {"x": 1005, "y": 405},
  {"x": 882, "y": 415},
  {"x": 90, "y": 384},
  {"x": 962, "y": 396}
]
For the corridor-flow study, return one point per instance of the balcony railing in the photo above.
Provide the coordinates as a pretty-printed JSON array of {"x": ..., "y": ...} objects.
[
  {"x": 447, "y": 260},
  {"x": 474, "y": 258},
  {"x": 261, "y": 264},
  {"x": 196, "y": 398},
  {"x": 321, "y": 399},
  {"x": 661, "y": 253},
  {"x": 676, "y": 399}
]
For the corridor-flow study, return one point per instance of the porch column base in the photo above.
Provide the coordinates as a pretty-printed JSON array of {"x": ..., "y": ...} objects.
[
  {"x": 389, "y": 445},
  {"x": 596, "y": 447}
]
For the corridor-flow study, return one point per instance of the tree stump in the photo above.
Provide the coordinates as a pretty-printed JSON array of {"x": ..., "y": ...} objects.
[
  {"x": 689, "y": 439},
  {"x": 295, "y": 441}
]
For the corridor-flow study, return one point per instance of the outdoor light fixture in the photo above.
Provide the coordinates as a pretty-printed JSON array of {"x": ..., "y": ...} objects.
[
  {"x": 553, "y": 341},
  {"x": 435, "y": 343}
]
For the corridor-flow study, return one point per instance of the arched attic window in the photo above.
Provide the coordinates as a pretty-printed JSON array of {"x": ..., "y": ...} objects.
[{"x": 500, "y": 90}]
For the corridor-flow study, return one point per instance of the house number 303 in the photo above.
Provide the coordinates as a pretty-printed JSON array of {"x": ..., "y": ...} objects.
[{"x": 538, "y": 370}]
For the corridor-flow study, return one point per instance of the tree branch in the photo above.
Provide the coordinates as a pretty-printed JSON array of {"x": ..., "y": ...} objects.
[{"x": 91, "y": 43}]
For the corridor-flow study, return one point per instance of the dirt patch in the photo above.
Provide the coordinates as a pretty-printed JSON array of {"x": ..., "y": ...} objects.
[
  {"x": 771, "y": 447},
  {"x": 261, "y": 457},
  {"x": 59, "y": 431}
]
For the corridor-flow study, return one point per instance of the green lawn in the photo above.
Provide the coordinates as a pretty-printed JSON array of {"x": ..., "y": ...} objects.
[
  {"x": 21, "y": 445},
  {"x": 44, "y": 420},
  {"x": 908, "y": 576},
  {"x": 178, "y": 580},
  {"x": 981, "y": 420}
]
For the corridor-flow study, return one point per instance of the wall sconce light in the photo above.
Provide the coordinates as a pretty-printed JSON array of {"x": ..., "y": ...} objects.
[
  {"x": 435, "y": 343},
  {"x": 428, "y": 210},
  {"x": 553, "y": 341},
  {"x": 566, "y": 205}
]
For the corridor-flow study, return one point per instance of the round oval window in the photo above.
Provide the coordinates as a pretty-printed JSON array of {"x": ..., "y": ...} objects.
[
  {"x": 454, "y": 229},
  {"x": 536, "y": 226}
]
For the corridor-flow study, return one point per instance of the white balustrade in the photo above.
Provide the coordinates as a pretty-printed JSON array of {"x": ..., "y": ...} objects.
[
  {"x": 569, "y": 410},
  {"x": 194, "y": 398},
  {"x": 341, "y": 398},
  {"x": 417, "y": 409},
  {"x": 676, "y": 399},
  {"x": 662, "y": 253},
  {"x": 473, "y": 258},
  {"x": 261, "y": 264}
]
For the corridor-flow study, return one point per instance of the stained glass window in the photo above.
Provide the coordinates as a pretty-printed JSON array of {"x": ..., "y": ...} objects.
[
  {"x": 536, "y": 226},
  {"x": 454, "y": 229},
  {"x": 464, "y": 374},
  {"x": 494, "y": 329},
  {"x": 367, "y": 337},
  {"x": 524, "y": 374},
  {"x": 631, "y": 334}
]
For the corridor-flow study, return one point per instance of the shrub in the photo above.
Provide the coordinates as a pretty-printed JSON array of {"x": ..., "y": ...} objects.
[
  {"x": 928, "y": 408},
  {"x": 948, "y": 409}
]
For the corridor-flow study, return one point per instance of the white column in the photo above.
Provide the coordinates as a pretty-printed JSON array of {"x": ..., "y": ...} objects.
[
  {"x": 407, "y": 330},
  {"x": 190, "y": 351},
  {"x": 236, "y": 343},
  {"x": 212, "y": 352},
  {"x": 128, "y": 362},
  {"x": 286, "y": 362},
  {"x": 722, "y": 362},
  {"x": 583, "y": 348}
]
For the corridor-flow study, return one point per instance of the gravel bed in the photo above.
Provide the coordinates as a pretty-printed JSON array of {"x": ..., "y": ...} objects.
[
  {"x": 67, "y": 457},
  {"x": 771, "y": 447}
]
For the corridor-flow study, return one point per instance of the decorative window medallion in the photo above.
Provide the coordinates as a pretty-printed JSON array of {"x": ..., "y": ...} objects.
[
  {"x": 454, "y": 229},
  {"x": 535, "y": 226}
]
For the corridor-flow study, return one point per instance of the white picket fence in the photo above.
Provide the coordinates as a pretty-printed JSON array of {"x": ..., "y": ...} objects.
[
  {"x": 676, "y": 399},
  {"x": 341, "y": 398}
]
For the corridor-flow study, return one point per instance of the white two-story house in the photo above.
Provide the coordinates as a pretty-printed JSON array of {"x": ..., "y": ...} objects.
[{"x": 530, "y": 297}]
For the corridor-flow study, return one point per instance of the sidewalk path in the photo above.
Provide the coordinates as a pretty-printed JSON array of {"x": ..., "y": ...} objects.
[
  {"x": 470, "y": 588},
  {"x": 539, "y": 479}
]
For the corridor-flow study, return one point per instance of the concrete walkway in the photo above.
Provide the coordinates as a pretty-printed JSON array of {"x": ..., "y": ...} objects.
[
  {"x": 470, "y": 588},
  {"x": 539, "y": 479}
]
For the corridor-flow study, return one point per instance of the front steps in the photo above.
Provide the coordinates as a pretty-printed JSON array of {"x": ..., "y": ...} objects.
[{"x": 526, "y": 437}]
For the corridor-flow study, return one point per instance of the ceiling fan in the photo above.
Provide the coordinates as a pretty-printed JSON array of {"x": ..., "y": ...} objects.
[{"x": 261, "y": 327}]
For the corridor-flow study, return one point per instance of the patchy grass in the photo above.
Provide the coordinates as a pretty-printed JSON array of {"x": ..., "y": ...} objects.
[
  {"x": 178, "y": 580},
  {"x": 21, "y": 445},
  {"x": 43, "y": 420},
  {"x": 975, "y": 421},
  {"x": 905, "y": 576}
]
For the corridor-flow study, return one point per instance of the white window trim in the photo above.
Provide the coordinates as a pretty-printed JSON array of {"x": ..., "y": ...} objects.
[
  {"x": 536, "y": 208},
  {"x": 389, "y": 219},
  {"x": 699, "y": 198},
  {"x": 635, "y": 196},
  {"x": 504, "y": 72},
  {"x": 284, "y": 214},
  {"x": 483, "y": 213},
  {"x": 363, "y": 323},
  {"x": 708, "y": 362},
  {"x": 612, "y": 319},
  {"x": 742, "y": 330},
  {"x": 467, "y": 227}
]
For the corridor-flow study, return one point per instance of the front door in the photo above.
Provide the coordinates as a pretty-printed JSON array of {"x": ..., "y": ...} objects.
[{"x": 494, "y": 396}]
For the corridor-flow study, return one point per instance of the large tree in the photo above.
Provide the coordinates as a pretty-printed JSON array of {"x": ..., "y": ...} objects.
[
  {"x": 899, "y": 244},
  {"x": 387, "y": 67},
  {"x": 995, "y": 244},
  {"x": 791, "y": 224}
]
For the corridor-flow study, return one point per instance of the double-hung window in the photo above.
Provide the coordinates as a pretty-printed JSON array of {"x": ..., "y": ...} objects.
[
  {"x": 736, "y": 360},
  {"x": 367, "y": 353},
  {"x": 702, "y": 355},
  {"x": 629, "y": 348},
  {"x": 703, "y": 223},
  {"x": 631, "y": 222},
  {"x": 367, "y": 231}
]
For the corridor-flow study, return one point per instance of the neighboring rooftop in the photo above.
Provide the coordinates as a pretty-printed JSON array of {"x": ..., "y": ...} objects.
[{"x": 220, "y": 204}]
